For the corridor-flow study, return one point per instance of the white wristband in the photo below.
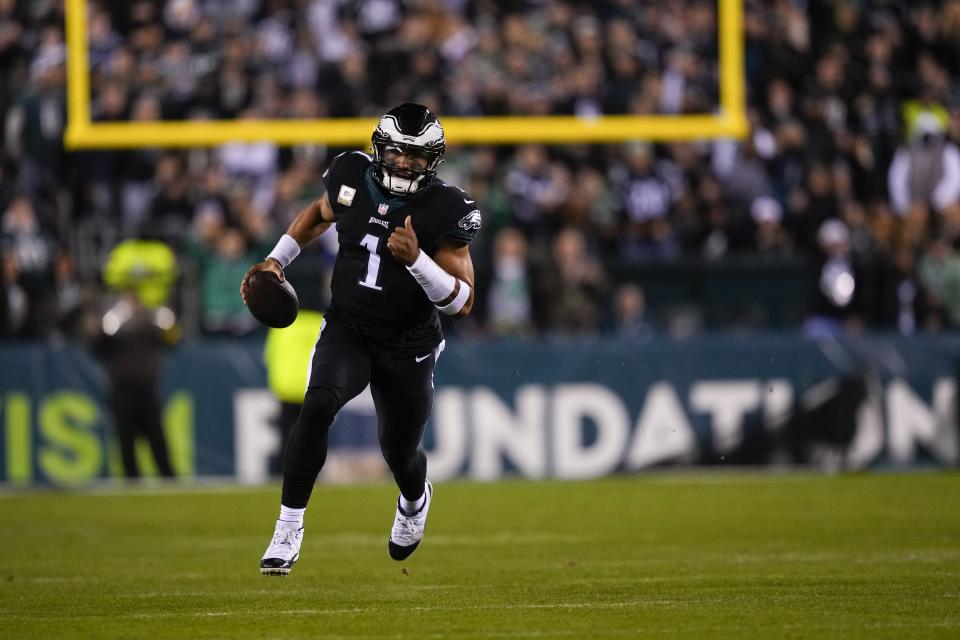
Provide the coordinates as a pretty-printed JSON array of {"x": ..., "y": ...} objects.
[
  {"x": 286, "y": 250},
  {"x": 435, "y": 281}
]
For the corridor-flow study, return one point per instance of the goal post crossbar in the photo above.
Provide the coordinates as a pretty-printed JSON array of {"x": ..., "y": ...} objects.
[{"x": 729, "y": 122}]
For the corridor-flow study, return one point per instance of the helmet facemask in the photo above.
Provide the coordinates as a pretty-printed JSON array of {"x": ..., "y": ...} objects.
[{"x": 408, "y": 146}]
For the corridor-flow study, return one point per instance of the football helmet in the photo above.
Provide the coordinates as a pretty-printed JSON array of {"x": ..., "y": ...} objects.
[{"x": 408, "y": 147}]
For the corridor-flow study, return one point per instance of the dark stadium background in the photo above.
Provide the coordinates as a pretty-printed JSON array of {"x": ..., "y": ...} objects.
[{"x": 788, "y": 297}]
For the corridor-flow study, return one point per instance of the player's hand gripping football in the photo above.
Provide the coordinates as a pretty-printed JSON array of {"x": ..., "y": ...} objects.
[
  {"x": 403, "y": 243},
  {"x": 267, "y": 265}
]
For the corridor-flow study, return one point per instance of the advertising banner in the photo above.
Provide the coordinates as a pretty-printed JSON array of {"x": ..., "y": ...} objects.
[{"x": 563, "y": 409}]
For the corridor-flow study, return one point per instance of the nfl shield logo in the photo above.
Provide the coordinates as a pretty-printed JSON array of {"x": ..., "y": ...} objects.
[{"x": 382, "y": 209}]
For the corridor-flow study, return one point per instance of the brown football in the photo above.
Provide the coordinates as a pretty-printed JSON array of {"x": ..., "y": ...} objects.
[{"x": 272, "y": 302}]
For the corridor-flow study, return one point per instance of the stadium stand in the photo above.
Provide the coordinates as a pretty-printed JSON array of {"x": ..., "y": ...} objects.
[{"x": 853, "y": 110}]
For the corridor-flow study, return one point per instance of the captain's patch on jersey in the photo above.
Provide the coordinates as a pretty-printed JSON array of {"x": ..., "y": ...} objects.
[
  {"x": 346, "y": 195},
  {"x": 470, "y": 221},
  {"x": 382, "y": 208}
]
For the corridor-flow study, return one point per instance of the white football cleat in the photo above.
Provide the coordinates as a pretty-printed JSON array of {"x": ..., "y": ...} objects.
[
  {"x": 284, "y": 549},
  {"x": 407, "y": 530}
]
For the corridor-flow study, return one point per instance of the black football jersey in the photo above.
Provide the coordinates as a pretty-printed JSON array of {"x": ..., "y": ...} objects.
[{"x": 368, "y": 283}]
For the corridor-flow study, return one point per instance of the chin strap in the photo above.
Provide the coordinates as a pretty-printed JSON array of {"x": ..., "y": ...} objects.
[{"x": 447, "y": 293}]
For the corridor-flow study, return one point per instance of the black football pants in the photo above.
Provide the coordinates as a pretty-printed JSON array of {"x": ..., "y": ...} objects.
[{"x": 342, "y": 365}]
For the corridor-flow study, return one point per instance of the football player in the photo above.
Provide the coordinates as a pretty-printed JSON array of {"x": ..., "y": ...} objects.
[{"x": 404, "y": 236}]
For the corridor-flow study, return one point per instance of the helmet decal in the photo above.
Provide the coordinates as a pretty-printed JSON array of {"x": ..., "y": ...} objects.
[{"x": 431, "y": 135}]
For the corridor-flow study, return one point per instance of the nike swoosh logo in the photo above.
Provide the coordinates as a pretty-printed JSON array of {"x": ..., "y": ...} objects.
[
  {"x": 422, "y": 358},
  {"x": 469, "y": 201}
]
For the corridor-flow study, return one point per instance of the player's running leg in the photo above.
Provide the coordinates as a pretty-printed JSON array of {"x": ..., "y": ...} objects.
[
  {"x": 340, "y": 369},
  {"x": 402, "y": 390}
]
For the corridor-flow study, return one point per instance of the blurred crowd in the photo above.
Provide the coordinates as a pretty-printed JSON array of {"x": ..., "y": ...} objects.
[{"x": 850, "y": 169}]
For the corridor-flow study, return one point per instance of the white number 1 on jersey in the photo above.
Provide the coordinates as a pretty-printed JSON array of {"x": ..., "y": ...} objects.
[{"x": 371, "y": 243}]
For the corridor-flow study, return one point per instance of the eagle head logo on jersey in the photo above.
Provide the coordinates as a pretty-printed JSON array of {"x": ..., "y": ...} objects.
[
  {"x": 470, "y": 221},
  {"x": 408, "y": 147}
]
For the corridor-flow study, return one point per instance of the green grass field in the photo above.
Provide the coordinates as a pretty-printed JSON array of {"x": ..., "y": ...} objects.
[{"x": 689, "y": 555}]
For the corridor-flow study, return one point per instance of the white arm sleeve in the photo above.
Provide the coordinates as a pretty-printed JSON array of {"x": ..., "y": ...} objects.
[
  {"x": 462, "y": 295},
  {"x": 439, "y": 285}
]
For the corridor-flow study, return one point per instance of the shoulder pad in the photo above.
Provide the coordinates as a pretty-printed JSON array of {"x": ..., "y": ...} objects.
[
  {"x": 347, "y": 157},
  {"x": 462, "y": 216}
]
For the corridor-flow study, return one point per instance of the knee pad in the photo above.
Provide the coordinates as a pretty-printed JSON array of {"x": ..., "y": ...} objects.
[{"x": 320, "y": 405}]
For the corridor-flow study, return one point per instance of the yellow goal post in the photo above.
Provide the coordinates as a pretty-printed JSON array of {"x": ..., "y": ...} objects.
[{"x": 729, "y": 121}]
